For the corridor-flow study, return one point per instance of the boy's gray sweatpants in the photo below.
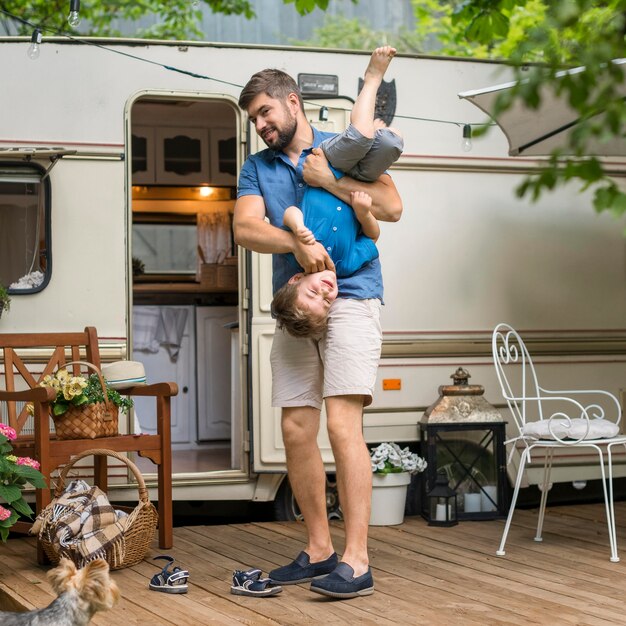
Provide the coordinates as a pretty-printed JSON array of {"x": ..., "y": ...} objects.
[{"x": 360, "y": 157}]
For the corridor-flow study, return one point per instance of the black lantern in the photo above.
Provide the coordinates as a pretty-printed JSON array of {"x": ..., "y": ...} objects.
[
  {"x": 462, "y": 436},
  {"x": 441, "y": 502}
]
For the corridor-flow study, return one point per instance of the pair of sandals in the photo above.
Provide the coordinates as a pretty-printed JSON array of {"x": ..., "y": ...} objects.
[
  {"x": 250, "y": 583},
  {"x": 245, "y": 583},
  {"x": 169, "y": 581}
]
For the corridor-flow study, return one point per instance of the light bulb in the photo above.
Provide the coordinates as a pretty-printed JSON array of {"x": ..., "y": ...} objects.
[
  {"x": 466, "y": 144},
  {"x": 73, "y": 19},
  {"x": 34, "y": 47}
]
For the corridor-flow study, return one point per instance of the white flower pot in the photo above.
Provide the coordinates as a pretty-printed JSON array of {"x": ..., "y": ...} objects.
[{"x": 389, "y": 498}]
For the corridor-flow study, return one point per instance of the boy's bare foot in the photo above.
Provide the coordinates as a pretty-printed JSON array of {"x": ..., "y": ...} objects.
[
  {"x": 361, "y": 202},
  {"x": 379, "y": 62}
]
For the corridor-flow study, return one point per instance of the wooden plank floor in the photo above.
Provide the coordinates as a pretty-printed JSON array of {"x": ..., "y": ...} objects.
[{"x": 423, "y": 575}]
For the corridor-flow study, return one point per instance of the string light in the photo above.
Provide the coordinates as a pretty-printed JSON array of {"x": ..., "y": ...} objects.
[
  {"x": 34, "y": 47},
  {"x": 466, "y": 144},
  {"x": 73, "y": 19}
]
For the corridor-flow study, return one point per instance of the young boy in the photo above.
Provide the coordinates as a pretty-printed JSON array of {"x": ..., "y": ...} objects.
[{"x": 364, "y": 151}]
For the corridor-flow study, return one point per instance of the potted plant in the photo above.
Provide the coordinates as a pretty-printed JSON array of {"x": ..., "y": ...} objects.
[
  {"x": 15, "y": 473},
  {"x": 392, "y": 468},
  {"x": 5, "y": 299}
]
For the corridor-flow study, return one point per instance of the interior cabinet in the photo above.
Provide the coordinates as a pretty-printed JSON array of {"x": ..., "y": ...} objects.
[
  {"x": 142, "y": 150},
  {"x": 182, "y": 156},
  {"x": 171, "y": 155},
  {"x": 214, "y": 353},
  {"x": 223, "y": 156}
]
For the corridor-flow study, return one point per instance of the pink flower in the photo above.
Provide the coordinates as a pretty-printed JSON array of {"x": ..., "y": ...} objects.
[
  {"x": 8, "y": 432},
  {"x": 4, "y": 513},
  {"x": 26, "y": 460}
]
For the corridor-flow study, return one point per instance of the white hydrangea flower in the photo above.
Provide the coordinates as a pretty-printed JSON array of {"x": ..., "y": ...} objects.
[{"x": 389, "y": 457}]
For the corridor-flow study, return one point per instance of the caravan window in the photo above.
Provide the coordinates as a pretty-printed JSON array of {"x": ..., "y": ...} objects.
[
  {"x": 25, "y": 260},
  {"x": 166, "y": 247}
]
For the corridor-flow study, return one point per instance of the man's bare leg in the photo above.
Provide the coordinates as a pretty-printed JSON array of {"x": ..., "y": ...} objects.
[
  {"x": 354, "y": 475},
  {"x": 362, "y": 115},
  {"x": 307, "y": 477}
]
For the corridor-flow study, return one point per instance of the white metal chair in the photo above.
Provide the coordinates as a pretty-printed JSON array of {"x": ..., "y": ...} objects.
[{"x": 554, "y": 419}]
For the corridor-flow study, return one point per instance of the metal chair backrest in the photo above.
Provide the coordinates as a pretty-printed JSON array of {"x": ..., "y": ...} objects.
[{"x": 516, "y": 375}]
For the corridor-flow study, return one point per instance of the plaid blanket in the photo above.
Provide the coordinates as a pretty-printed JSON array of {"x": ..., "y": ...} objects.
[{"x": 82, "y": 524}]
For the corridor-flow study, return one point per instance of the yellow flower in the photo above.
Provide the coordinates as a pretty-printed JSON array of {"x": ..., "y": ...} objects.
[
  {"x": 77, "y": 381},
  {"x": 11, "y": 457},
  {"x": 63, "y": 375},
  {"x": 30, "y": 409}
]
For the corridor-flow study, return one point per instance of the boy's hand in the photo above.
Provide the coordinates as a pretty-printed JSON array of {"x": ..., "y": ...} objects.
[
  {"x": 361, "y": 203},
  {"x": 312, "y": 258},
  {"x": 305, "y": 236},
  {"x": 316, "y": 171}
]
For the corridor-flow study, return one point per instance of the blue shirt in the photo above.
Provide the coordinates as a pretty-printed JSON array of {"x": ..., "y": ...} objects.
[
  {"x": 272, "y": 175},
  {"x": 335, "y": 226}
]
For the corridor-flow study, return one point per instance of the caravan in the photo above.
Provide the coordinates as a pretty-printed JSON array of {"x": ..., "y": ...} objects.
[{"x": 118, "y": 169}]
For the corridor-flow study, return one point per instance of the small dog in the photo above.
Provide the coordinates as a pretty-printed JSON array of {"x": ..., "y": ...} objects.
[{"x": 82, "y": 592}]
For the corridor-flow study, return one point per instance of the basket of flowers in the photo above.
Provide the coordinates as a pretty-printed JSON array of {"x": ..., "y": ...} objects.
[{"x": 85, "y": 406}]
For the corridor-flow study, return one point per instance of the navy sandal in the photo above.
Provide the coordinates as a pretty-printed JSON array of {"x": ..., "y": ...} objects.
[
  {"x": 174, "y": 581},
  {"x": 250, "y": 583}
]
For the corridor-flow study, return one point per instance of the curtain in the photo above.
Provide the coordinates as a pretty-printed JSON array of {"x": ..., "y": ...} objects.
[{"x": 214, "y": 238}]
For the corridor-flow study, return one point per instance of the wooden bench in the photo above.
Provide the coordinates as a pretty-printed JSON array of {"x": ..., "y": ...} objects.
[{"x": 27, "y": 358}]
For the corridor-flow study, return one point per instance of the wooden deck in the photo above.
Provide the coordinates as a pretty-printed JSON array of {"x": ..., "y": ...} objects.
[{"x": 423, "y": 575}]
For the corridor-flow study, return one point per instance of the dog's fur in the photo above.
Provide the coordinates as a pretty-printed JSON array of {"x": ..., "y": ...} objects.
[{"x": 82, "y": 592}]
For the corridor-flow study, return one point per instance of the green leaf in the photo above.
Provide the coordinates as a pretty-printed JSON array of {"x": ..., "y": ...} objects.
[
  {"x": 4, "y": 533},
  {"x": 10, "y": 493},
  {"x": 603, "y": 199},
  {"x": 59, "y": 408},
  {"x": 22, "y": 507},
  {"x": 33, "y": 476},
  {"x": 7, "y": 523},
  {"x": 619, "y": 204}
]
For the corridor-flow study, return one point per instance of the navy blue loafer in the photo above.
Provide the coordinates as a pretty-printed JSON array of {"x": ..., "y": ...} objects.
[
  {"x": 341, "y": 583},
  {"x": 302, "y": 570}
]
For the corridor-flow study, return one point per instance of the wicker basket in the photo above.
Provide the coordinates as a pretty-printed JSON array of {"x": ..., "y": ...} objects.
[
  {"x": 88, "y": 421},
  {"x": 140, "y": 526},
  {"x": 218, "y": 277}
]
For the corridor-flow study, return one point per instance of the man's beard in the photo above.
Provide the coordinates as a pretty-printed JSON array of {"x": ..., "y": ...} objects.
[{"x": 284, "y": 136}]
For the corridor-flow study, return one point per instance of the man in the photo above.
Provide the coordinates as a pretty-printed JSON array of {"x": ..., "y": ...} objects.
[{"x": 339, "y": 368}]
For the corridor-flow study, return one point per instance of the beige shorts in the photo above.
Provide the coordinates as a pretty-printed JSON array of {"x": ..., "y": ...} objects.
[{"x": 343, "y": 362}]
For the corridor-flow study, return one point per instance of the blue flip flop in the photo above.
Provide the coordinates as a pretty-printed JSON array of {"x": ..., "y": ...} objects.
[
  {"x": 250, "y": 583},
  {"x": 174, "y": 581}
]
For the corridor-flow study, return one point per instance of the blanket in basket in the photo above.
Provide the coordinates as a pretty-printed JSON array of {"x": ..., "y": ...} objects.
[{"x": 82, "y": 521}]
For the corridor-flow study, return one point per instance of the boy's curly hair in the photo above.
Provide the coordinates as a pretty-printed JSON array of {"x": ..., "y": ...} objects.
[{"x": 296, "y": 321}]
